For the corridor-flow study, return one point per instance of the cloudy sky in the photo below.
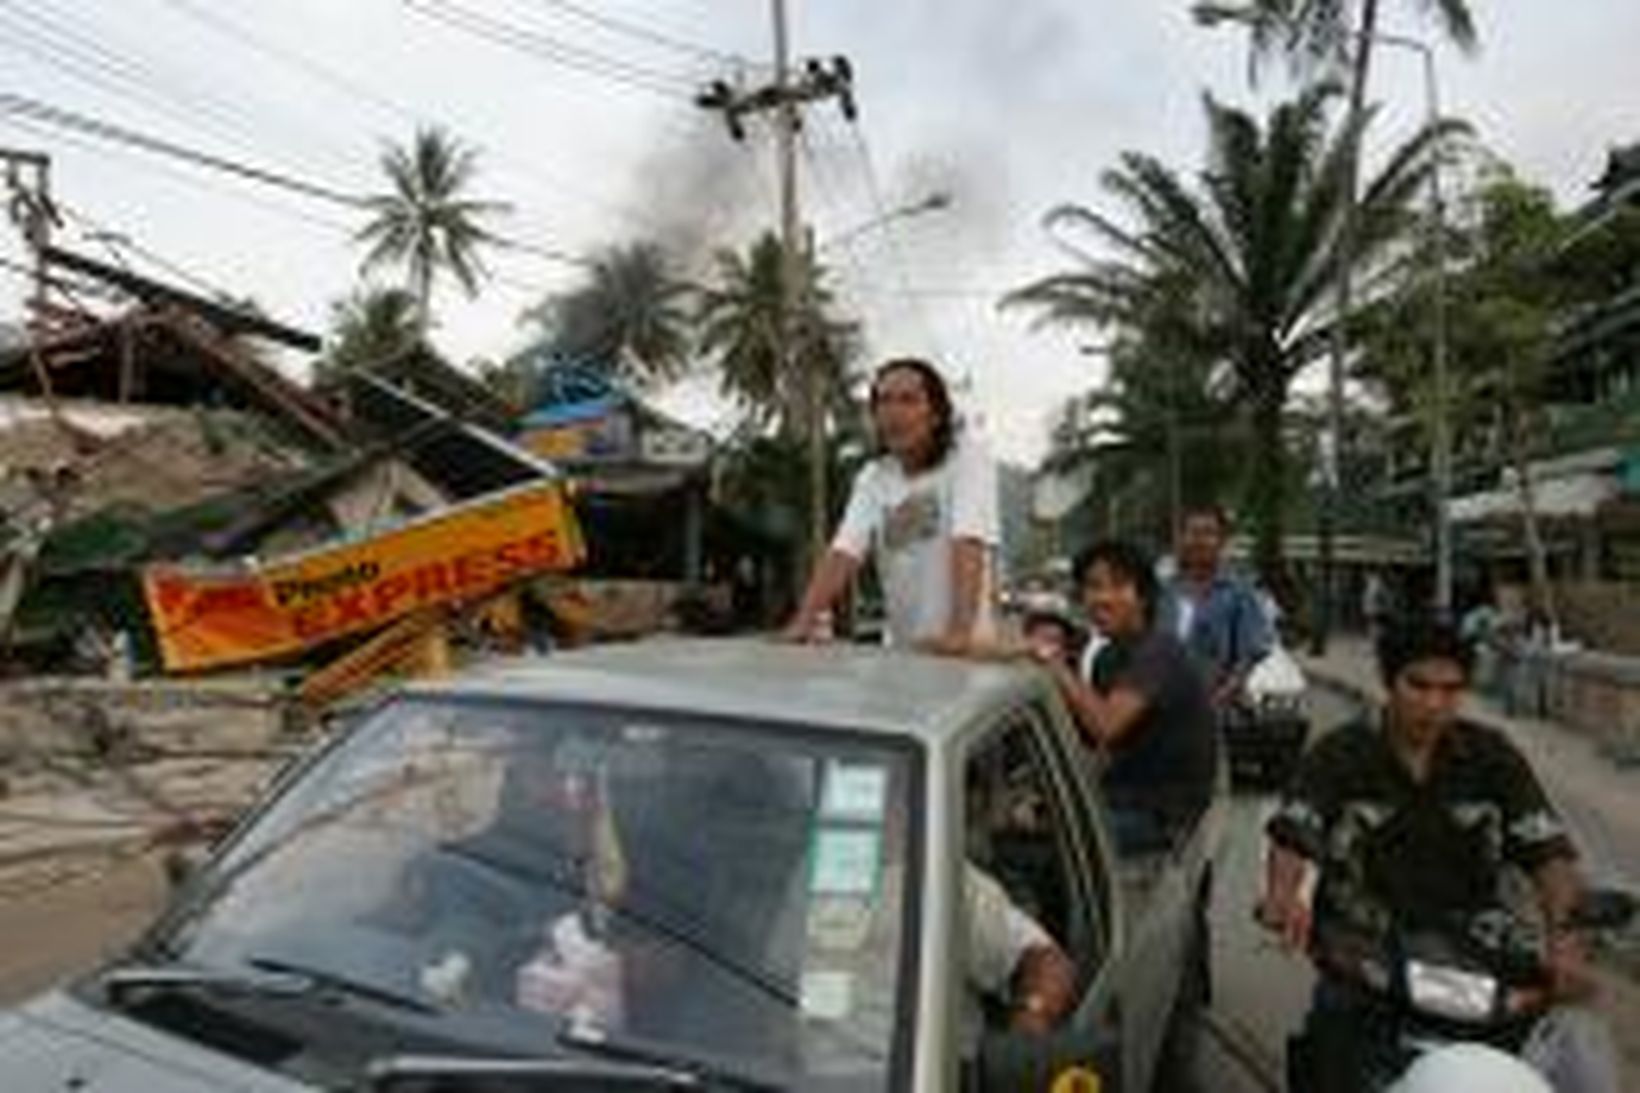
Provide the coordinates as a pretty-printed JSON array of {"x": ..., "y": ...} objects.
[{"x": 581, "y": 111}]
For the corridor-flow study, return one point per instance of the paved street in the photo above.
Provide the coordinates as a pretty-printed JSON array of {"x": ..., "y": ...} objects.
[{"x": 1260, "y": 992}]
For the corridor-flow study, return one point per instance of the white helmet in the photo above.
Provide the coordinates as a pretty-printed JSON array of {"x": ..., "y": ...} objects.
[{"x": 1470, "y": 1067}]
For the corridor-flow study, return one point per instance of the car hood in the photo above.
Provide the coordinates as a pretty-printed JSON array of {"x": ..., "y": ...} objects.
[{"x": 57, "y": 1042}]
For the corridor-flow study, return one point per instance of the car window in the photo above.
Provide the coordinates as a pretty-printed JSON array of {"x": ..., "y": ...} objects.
[
  {"x": 1022, "y": 834},
  {"x": 726, "y": 887}
]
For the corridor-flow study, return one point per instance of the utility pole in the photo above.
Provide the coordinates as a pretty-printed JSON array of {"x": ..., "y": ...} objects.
[
  {"x": 1442, "y": 438},
  {"x": 29, "y": 207},
  {"x": 785, "y": 98},
  {"x": 792, "y": 272}
]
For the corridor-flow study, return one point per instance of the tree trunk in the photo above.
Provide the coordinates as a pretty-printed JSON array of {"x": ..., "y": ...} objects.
[
  {"x": 1361, "y": 66},
  {"x": 1327, "y": 527},
  {"x": 423, "y": 289},
  {"x": 1267, "y": 488},
  {"x": 1537, "y": 558}
]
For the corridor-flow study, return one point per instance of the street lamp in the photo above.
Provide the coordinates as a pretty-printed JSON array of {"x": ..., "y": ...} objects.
[
  {"x": 1210, "y": 14},
  {"x": 937, "y": 201}
]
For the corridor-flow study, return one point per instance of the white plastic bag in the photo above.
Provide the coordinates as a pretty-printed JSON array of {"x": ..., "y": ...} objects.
[{"x": 575, "y": 975}]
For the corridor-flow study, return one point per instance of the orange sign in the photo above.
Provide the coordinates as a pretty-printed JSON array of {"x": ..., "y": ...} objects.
[{"x": 237, "y": 614}]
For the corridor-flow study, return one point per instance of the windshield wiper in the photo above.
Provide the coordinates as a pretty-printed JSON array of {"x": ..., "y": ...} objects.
[
  {"x": 122, "y": 982},
  {"x": 712, "y": 1072},
  {"x": 271, "y": 979},
  {"x": 322, "y": 979},
  {"x": 417, "y": 1071}
]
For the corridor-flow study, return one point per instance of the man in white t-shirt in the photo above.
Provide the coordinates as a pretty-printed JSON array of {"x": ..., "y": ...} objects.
[{"x": 926, "y": 511}]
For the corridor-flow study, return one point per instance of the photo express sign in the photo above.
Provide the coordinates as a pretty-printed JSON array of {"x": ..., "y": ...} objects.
[{"x": 210, "y": 617}]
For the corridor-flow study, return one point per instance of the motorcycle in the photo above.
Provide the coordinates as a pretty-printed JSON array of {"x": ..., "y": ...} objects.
[{"x": 1393, "y": 998}]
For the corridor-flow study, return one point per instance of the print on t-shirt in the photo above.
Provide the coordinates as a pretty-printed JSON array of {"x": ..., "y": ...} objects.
[{"x": 913, "y": 520}]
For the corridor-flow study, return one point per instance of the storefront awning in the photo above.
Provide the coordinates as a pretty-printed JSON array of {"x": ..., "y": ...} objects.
[{"x": 1572, "y": 497}]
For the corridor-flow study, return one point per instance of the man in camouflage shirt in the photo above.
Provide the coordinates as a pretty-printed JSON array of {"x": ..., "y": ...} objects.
[{"x": 1408, "y": 821}]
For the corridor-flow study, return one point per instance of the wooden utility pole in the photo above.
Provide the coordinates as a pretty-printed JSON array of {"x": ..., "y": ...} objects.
[
  {"x": 29, "y": 207},
  {"x": 785, "y": 98}
]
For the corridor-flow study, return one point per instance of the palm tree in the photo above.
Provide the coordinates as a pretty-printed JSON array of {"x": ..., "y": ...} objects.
[
  {"x": 1309, "y": 32},
  {"x": 370, "y": 326},
  {"x": 630, "y": 313},
  {"x": 1323, "y": 32},
  {"x": 740, "y": 331},
  {"x": 424, "y": 222},
  {"x": 1245, "y": 259}
]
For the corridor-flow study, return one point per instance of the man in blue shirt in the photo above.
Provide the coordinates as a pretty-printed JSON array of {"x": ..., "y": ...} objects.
[{"x": 1215, "y": 613}]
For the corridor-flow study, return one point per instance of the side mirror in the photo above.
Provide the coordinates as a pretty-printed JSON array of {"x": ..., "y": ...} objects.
[
  {"x": 1603, "y": 909},
  {"x": 1065, "y": 1061}
]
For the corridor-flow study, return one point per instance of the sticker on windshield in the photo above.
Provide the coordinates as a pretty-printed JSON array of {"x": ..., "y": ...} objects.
[
  {"x": 845, "y": 861},
  {"x": 826, "y": 994},
  {"x": 839, "y": 924},
  {"x": 640, "y": 733},
  {"x": 854, "y": 791}
]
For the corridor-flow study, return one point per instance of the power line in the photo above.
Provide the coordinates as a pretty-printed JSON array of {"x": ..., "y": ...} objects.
[
  {"x": 831, "y": 194},
  {"x": 116, "y": 242},
  {"x": 348, "y": 86},
  {"x": 57, "y": 42},
  {"x": 80, "y": 123},
  {"x": 225, "y": 27},
  {"x": 900, "y": 263},
  {"x": 28, "y": 272},
  {"x": 549, "y": 253},
  {"x": 91, "y": 72},
  {"x": 646, "y": 34},
  {"x": 178, "y": 174},
  {"x": 554, "y": 51},
  {"x": 8, "y": 104}
]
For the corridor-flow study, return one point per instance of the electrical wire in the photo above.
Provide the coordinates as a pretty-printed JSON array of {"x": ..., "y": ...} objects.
[
  {"x": 183, "y": 177},
  {"x": 58, "y": 43},
  {"x": 347, "y": 86},
  {"x": 643, "y": 33},
  {"x": 102, "y": 130},
  {"x": 332, "y": 227},
  {"x": 555, "y": 51},
  {"x": 66, "y": 287},
  {"x": 32, "y": 110},
  {"x": 117, "y": 242},
  {"x": 858, "y": 281},
  {"x": 892, "y": 229}
]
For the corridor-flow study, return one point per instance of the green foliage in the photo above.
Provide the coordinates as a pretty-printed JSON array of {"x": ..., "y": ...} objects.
[
  {"x": 424, "y": 222},
  {"x": 1236, "y": 271},
  {"x": 739, "y": 333},
  {"x": 630, "y": 313},
  {"x": 371, "y": 326},
  {"x": 1312, "y": 34}
]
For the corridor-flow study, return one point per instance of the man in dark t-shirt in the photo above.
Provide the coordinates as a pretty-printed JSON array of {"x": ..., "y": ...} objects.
[
  {"x": 1147, "y": 706},
  {"x": 1405, "y": 823}
]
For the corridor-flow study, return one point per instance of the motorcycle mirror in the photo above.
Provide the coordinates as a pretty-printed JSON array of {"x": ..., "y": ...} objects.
[{"x": 1603, "y": 909}]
